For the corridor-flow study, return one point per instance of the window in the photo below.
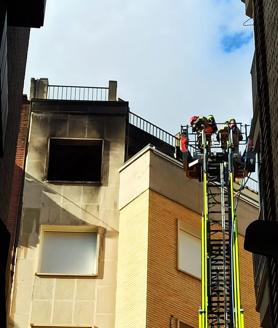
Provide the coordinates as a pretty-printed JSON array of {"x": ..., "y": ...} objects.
[
  {"x": 61, "y": 326},
  {"x": 189, "y": 252},
  {"x": 176, "y": 323},
  {"x": 75, "y": 160},
  {"x": 47, "y": 326},
  {"x": 69, "y": 252},
  {"x": 183, "y": 325}
]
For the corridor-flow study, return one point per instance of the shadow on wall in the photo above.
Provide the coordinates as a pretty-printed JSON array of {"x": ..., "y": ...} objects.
[
  {"x": 53, "y": 208},
  {"x": 46, "y": 204},
  {"x": 11, "y": 324}
]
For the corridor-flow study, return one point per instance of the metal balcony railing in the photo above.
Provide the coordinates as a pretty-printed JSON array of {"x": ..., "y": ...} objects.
[
  {"x": 61, "y": 92},
  {"x": 152, "y": 129}
]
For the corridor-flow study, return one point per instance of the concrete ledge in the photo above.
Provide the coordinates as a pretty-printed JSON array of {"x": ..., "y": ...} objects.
[
  {"x": 80, "y": 106},
  {"x": 153, "y": 170}
]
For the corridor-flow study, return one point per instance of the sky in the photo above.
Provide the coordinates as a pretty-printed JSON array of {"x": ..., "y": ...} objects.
[{"x": 172, "y": 58}]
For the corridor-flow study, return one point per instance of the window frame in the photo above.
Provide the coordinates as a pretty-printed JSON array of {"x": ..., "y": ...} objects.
[
  {"x": 77, "y": 181},
  {"x": 100, "y": 231},
  {"x": 182, "y": 226},
  {"x": 32, "y": 325},
  {"x": 179, "y": 322}
]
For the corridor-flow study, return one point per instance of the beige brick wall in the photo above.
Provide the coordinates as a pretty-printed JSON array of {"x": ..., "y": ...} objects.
[{"x": 131, "y": 297}]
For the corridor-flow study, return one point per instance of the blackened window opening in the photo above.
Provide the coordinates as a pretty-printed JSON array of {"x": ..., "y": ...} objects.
[{"x": 74, "y": 160}]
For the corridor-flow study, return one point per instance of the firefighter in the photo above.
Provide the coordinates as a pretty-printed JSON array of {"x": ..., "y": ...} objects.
[
  {"x": 210, "y": 128},
  {"x": 211, "y": 125},
  {"x": 223, "y": 136},
  {"x": 236, "y": 134},
  {"x": 198, "y": 124}
]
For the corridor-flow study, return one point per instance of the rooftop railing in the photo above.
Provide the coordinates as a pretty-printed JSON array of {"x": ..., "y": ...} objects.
[
  {"x": 152, "y": 129},
  {"x": 40, "y": 89},
  {"x": 61, "y": 92}
]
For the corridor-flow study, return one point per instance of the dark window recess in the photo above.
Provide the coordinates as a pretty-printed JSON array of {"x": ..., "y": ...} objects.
[
  {"x": 74, "y": 160},
  {"x": 183, "y": 325}
]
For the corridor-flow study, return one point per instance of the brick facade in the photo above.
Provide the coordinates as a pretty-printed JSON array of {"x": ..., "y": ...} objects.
[
  {"x": 16, "y": 194},
  {"x": 156, "y": 202},
  {"x": 172, "y": 292},
  {"x": 266, "y": 47},
  {"x": 18, "y": 175}
]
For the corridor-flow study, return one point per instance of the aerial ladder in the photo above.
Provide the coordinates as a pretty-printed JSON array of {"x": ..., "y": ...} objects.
[{"x": 220, "y": 286}]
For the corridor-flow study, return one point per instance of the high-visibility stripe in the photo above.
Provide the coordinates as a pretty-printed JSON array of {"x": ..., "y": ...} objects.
[
  {"x": 239, "y": 317},
  {"x": 203, "y": 315}
]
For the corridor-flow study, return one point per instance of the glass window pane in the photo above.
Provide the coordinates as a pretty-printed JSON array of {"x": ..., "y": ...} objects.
[
  {"x": 69, "y": 252},
  {"x": 189, "y": 254}
]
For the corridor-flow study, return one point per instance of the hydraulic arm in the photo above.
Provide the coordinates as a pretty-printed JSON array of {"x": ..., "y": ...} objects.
[{"x": 221, "y": 304}]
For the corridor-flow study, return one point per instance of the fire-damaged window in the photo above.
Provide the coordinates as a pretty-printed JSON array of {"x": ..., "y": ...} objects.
[{"x": 75, "y": 160}]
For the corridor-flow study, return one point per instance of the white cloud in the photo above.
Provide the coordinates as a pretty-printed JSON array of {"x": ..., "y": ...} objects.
[{"x": 166, "y": 55}]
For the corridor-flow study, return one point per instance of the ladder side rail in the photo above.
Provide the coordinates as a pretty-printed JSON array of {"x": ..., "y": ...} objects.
[
  {"x": 203, "y": 312},
  {"x": 235, "y": 263},
  {"x": 237, "y": 310},
  {"x": 223, "y": 223},
  {"x": 232, "y": 305},
  {"x": 240, "y": 313},
  {"x": 231, "y": 206}
]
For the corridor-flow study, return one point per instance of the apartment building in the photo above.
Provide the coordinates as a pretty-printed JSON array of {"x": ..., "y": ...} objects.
[
  {"x": 159, "y": 264},
  {"x": 110, "y": 225},
  {"x": 261, "y": 238},
  {"x": 16, "y": 19}
]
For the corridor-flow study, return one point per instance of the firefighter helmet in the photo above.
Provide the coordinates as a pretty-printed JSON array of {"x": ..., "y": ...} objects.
[
  {"x": 232, "y": 122},
  {"x": 193, "y": 119},
  {"x": 211, "y": 118}
]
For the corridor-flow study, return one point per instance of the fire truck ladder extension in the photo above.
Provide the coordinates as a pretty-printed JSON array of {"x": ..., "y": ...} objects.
[{"x": 221, "y": 305}]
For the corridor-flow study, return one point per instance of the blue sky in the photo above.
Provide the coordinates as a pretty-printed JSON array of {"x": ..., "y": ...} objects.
[
  {"x": 234, "y": 41},
  {"x": 171, "y": 58}
]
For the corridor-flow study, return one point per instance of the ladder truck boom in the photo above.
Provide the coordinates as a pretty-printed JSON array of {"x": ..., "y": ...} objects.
[{"x": 217, "y": 169}]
